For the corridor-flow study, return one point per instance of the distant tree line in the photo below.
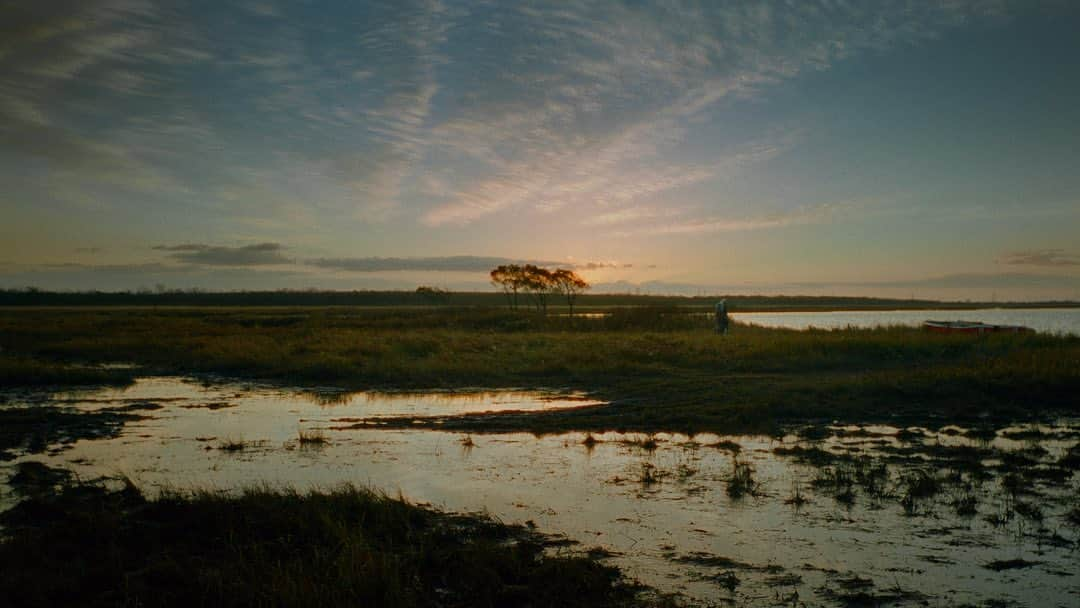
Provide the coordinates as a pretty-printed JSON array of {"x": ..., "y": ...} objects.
[
  {"x": 537, "y": 284},
  {"x": 433, "y": 295},
  {"x": 155, "y": 296}
]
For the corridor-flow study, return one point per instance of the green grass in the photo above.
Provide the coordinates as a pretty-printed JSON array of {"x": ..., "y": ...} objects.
[
  {"x": 661, "y": 368},
  {"x": 89, "y": 546}
]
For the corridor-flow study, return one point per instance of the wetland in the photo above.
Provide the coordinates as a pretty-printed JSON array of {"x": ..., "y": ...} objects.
[{"x": 643, "y": 458}]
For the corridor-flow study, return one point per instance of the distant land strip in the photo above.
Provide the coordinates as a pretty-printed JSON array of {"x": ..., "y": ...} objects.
[{"x": 586, "y": 302}]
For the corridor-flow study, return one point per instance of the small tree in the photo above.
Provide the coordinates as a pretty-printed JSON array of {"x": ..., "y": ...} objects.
[
  {"x": 538, "y": 283},
  {"x": 511, "y": 279},
  {"x": 569, "y": 284}
]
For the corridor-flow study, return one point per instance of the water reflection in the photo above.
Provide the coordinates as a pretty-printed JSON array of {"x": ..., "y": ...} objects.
[
  {"x": 825, "y": 513},
  {"x": 1049, "y": 320},
  {"x": 318, "y": 402}
]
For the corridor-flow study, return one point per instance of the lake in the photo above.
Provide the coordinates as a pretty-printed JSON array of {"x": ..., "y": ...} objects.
[{"x": 1049, "y": 320}]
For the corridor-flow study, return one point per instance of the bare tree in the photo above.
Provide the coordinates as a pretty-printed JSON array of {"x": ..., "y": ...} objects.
[{"x": 569, "y": 284}]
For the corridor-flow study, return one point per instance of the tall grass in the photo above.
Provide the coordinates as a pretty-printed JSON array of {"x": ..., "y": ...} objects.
[
  {"x": 666, "y": 367},
  {"x": 90, "y": 546}
]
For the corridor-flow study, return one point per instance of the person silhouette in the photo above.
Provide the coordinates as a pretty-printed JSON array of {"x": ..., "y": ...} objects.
[{"x": 721, "y": 317}]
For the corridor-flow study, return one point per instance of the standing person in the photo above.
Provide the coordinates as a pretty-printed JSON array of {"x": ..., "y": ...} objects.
[{"x": 721, "y": 317}]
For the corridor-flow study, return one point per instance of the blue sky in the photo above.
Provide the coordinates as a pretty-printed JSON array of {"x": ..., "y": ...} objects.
[{"x": 891, "y": 148}]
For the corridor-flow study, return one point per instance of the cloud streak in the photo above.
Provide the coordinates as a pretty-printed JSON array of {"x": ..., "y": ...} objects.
[
  {"x": 1053, "y": 258},
  {"x": 260, "y": 254},
  {"x": 807, "y": 215},
  {"x": 459, "y": 263},
  {"x": 613, "y": 92},
  {"x": 543, "y": 106}
]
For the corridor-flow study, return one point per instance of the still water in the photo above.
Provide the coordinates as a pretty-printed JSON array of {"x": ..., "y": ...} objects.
[
  {"x": 829, "y": 516},
  {"x": 1050, "y": 320}
]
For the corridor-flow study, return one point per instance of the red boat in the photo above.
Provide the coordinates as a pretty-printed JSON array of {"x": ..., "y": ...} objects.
[{"x": 971, "y": 327}]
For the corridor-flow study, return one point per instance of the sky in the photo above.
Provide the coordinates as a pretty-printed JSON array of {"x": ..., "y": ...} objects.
[{"x": 902, "y": 149}]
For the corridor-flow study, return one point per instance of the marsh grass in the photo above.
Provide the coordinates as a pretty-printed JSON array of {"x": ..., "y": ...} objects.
[
  {"x": 686, "y": 465},
  {"x": 89, "y": 545},
  {"x": 841, "y": 478},
  {"x": 741, "y": 481},
  {"x": 233, "y": 444},
  {"x": 1004, "y": 513},
  {"x": 726, "y": 445},
  {"x": 590, "y": 441},
  {"x": 916, "y": 487},
  {"x": 646, "y": 443},
  {"x": 315, "y": 438},
  {"x": 796, "y": 499},
  {"x": 17, "y": 370},
  {"x": 663, "y": 369},
  {"x": 965, "y": 504},
  {"x": 649, "y": 474}
]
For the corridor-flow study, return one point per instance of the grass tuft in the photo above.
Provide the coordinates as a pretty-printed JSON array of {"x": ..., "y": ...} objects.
[
  {"x": 741, "y": 482},
  {"x": 316, "y": 438},
  {"x": 232, "y": 444}
]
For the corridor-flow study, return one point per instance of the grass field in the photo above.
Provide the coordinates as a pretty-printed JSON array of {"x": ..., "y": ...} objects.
[{"x": 661, "y": 369}]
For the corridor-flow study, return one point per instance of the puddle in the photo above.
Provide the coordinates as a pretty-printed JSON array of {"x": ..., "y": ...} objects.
[
  {"x": 887, "y": 515},
  {"x": 318, "y": 404}
]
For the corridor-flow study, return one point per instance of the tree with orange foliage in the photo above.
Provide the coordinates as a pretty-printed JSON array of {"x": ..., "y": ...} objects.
[
  {"x": 538, "y": 283},
  {"x": 511, "y": 279},
  {"x": 569, "y": 284}
]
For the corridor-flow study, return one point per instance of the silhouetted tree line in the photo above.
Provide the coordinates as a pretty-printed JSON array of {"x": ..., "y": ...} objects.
[
  {"x": 538, "y": 283},
  {"x": 433, "y": 295},
  {"x": 158, "y": 296}
]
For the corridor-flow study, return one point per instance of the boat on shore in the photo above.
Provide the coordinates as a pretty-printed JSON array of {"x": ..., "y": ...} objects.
[{"x": 971, "y": 327}]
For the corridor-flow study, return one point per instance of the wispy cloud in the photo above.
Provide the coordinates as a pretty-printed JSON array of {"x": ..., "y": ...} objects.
[
  {"x": 814, "y": 214},
  {"x": 976, "y": 280},
  {"x": 544, "y": 106},
  {"x": 594, "y": 102},
  {"x": 630, "y": 214},
  {"x": 111, "y": 94},
  {"x": 260, "y": 254},
  {"x": 275, "y": 122},
  {"x": 458, "y": 263},
  {"x": 1040, "y": 257}
]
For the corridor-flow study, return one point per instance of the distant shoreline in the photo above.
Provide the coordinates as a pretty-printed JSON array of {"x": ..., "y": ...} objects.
[{"x": 30, "y": 298}]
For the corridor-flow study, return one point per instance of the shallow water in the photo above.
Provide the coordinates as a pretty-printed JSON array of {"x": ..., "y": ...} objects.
[
  {"x": 1048, "y": 320},
  {"x": 665, "y": 513}
]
